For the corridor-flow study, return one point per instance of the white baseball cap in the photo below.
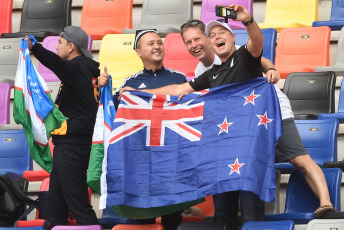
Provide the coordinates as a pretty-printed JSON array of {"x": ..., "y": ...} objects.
[{"x": 213, "y": 23}]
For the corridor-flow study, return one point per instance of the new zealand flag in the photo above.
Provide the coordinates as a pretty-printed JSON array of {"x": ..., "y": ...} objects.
[{"x": 163, "y": 151}]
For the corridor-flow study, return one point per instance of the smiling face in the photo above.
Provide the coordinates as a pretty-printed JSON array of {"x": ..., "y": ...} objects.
[
  {"x": 150, "y": 49},
  {"x": 197, "y": 43},
  {"x": 222, "y": 42}
]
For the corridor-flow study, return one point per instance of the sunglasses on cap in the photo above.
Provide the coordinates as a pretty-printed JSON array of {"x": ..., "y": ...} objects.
[{"x": 191, "y": 23}]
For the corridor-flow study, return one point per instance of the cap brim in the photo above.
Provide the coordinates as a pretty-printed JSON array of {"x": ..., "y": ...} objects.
[
  {"x": 86, "y": 52},
  {"x": 213, "y": 23}
]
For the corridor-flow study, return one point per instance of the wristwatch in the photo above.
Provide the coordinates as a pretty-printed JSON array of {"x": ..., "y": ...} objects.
[{"x": 249, "y": 21}]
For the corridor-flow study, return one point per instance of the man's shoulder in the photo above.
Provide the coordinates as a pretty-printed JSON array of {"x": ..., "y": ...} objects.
[{"x": 127, "y": 81}]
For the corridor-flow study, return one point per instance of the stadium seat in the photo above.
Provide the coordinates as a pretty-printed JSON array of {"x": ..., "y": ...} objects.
[
  {"x": 177, "y": 56},
  {"x": 6, "y": 16},
  {"x": 138, "y": 227},
  {"x": 281, "y": 14},
  {"x": 203, "y": 226},
  {"x": 339, "y": 115},
  {"x": 301, "y": 201},
  {"x": 338, "y": 67},
  {"x": 39, "y": 175},
  {"x": 21, "y": 228},
  {"x": 334, "y": 224},
  {"x": 336, "y": 21},
  {"x": 14, "y": 153},
  {"x": 264, "y": 225},
  {"x": 311, "y": 93},
  {"x": 208, "y": 11},
  {"x": 99, "y": 18},
  {"x": 5, "y": 91},
  {"x": 80, "y": 227},
  {"x": 40, "y": 222},
  {"x": 302, "y": 49},
  {"x": 50, "y": 43},
  {"x": 269, "y": 46},
  {"x": 110, "y": 219},
  {"x": 117, "y": 54},
  {"x": 319, "y": 138},
  {"x": 42, "y": 18},
  {"x": 166, "y": 16},
  {"x": 9, "y": 57},
  {"x": 207, "y": 208}
]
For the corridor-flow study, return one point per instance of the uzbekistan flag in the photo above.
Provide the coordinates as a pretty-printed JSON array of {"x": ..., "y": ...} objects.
[
  {"x": 34, "y": 108},
  {"x": 163, "y": 151}
]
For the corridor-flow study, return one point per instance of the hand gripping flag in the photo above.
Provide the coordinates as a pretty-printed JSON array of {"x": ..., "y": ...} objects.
[
  {"x": 163, "y": 151},
  {"x": 34, "y": 108},
  {"x": 101, "y": 137}
]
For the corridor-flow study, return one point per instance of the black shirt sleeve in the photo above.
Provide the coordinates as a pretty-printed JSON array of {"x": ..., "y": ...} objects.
[
  {"x": 201, "y": 82},
  {"x": 63, "y": 69}
]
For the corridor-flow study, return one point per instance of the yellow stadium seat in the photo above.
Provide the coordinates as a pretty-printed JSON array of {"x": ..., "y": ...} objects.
[
  {"x": 117, "y": 54},
  {"x": 281, "y": 14}
]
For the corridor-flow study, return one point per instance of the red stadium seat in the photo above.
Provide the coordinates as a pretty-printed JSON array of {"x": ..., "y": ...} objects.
[
  {"x": 177, "y": 56},
  {"x": 6, "y": 16},
  {"x": 99, "y": 18},
  {"x": 138, "y": 227}
]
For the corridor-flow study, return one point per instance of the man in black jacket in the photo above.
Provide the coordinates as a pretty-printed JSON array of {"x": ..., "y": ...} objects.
[{"x": 77, "y": 99}]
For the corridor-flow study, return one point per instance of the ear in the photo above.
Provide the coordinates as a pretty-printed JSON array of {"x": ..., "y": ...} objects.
[
  {"x": 71, "y": 47},
  {"x": 138, "y": 52}
]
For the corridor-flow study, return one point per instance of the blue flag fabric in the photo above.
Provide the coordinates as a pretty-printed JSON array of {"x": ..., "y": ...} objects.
[
  {"x": 40, "y": 99},
  {"x": 163, "y": 151}
]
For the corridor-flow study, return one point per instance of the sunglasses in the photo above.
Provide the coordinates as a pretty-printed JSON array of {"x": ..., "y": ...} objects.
[{"x": 192, "y": 23}]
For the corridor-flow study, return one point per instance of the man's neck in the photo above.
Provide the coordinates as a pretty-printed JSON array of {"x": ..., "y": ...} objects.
[
  {"x": 153, "y": 66},
  {"x": 208, "y": 60}
]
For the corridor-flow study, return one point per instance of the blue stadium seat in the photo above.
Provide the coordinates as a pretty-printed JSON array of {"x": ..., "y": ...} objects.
[
  {"x": 269, "y": 46},
  {"x": 301, "y": 202},
  {"x": 336, "y": 21},
  {"x": 320, "y": 139},
  {"x": 264, "y": 225},
  {"x": 339, "y": 115},
  {"x": 14, "y": 153},
  {"x": 109, "y": 219}
]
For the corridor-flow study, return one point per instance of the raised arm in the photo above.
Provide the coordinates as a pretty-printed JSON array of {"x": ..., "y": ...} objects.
[
  {"x": 255, "y": 44},
  {"x": 175, "y": 90}
]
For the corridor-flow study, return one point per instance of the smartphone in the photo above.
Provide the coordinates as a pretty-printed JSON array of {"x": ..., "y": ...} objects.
[{"x": 225, "y": 12}]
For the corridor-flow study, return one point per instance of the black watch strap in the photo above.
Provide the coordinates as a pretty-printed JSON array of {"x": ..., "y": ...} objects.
[{"x": 249, "y": 21}]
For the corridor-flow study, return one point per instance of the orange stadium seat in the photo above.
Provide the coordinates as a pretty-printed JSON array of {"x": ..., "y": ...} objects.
[
  {"x": 177, "y": 56},
  {"x": 102, "y": 17},
  {"x": 302, "y": 49},
  {"x": 6, "y": 16},
  {"x": 138, "y": 227}
]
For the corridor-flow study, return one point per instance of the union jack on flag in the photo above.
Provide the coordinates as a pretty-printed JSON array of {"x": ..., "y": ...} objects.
[
  {"x": 156, "y": 113},
  {"x": 164, "y": 152}
]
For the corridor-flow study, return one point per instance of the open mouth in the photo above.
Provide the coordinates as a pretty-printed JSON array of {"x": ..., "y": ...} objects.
[
  {"x": 220, "y": 44},
  {"x": 197, "y": 50}
]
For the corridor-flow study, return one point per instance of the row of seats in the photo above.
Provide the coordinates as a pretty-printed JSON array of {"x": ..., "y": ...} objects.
[
  {"x": 43, "y": 18},
  {"x": 297, "y": 50},
  {"x": 299, "y": 208}
]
